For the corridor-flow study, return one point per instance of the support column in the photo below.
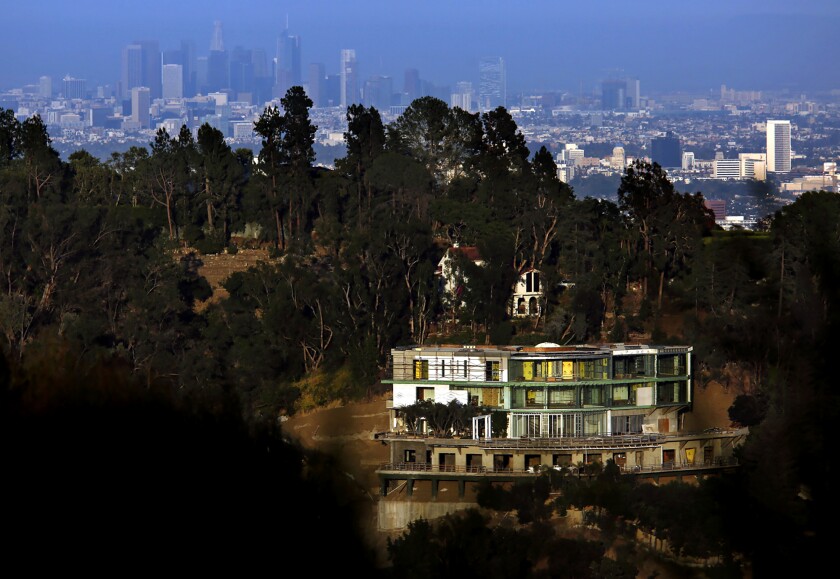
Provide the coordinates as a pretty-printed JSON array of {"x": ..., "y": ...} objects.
[
  {"x": 409, "y": 486},
  {"x": 383, "y": 487},
  {"x": 462, "y": 485},
  {"x": 435, "y": 483}
]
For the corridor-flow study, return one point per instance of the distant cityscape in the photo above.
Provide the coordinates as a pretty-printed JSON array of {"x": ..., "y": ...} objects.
[{"x": 724, "y": 143}]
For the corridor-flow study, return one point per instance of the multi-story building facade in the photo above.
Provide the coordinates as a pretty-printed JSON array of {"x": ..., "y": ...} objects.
[
  {"x": 492, "y": 84},
  {"x": 778, "y": 146},
  {"x": 559, "y": 406},
  {"x": 349, "y": 78}
]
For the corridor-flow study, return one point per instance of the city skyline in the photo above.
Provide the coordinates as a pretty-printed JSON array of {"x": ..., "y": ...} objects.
[{"x": 544, "y": 46}]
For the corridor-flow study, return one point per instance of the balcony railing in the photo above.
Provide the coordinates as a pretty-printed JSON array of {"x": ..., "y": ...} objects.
[{"x": 420, "y": 467}]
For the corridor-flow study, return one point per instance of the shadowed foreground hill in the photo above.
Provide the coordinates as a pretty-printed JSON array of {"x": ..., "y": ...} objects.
[{"x": 101, "y": 474}]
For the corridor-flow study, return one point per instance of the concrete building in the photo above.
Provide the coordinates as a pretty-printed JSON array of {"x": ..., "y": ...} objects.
[
  {"x": 778, "y": 146},
  {"x": 463, "y": 96},
  {"x": 666, "y": 151},
  {"x": 753, "y": 166},
  {"x": 140, "y": 103},
  {"x": 349, "y": 78},
  {"x": 727, "y": 169},
  {"x": 542, "y": 407},
  {"x": 492, "y": 83},
  {"x": 687, "y": 161},
  {"x": 173, "y": 81}
]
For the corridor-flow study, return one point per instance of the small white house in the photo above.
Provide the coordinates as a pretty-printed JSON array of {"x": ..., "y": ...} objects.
[{"x": 527, "y": 295}]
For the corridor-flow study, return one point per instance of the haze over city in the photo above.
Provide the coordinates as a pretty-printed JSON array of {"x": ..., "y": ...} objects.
[{"x": 760, "y": 45}]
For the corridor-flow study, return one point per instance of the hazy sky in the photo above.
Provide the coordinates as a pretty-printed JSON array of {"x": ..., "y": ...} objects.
[{"x": 547, "y": 44}]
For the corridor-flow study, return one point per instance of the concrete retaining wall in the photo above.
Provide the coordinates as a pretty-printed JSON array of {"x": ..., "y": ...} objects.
[{"x": 395, "y": 515}]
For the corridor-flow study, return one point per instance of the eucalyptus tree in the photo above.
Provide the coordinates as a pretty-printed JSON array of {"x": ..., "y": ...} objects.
[
  {"x": 669, "y": 225},
  {"x": 298, "y": 153},
  {"x": 221, "y": 176},
  {"x": 364, "y": 141}
]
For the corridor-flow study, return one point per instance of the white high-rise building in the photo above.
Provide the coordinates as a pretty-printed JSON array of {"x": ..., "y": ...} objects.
[
  {"x": 173, "y": 81},
  {"x": 349, "y": 78},
  {"x": 688, "y": 161},
  {"x": 778, "y": 146}
]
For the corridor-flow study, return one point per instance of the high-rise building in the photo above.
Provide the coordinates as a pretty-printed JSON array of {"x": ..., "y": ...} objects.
[
  {"x": 666, "y": 151},
  {"x": 317, "y": 84},
  {"x": 411, "y": 84},
  {"x": 378, "y": 92},
  {"x": 140, "y": 103},
  {"x": 349, "y": 78},
  {"x": 218, "y": 72},
  {"x": 634, "y": 94},
  {"x": 74, "y": 88},
  {"x": 45, "y": 87},
  {"x": 141, "y": 66},
  {"x": 778, "y": 146},
  {"x": 217, "y": 43},
  {"x": 173, "y": 81},
  {"x": 287, "y": 71},
  {"x": 614, "y": 95},
  {"x": 462, "y": 97},
  {"x": 492, "y": 83},
  {"x": 688, "y": 161}
]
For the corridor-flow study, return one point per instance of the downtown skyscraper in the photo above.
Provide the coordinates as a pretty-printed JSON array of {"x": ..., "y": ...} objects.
[
  {"x": 287, "y": 68},
  {"x": 349, "y": 78},
  {"x": 778, "y": 146},
  {"x": 141, "y": 66},
  {"x": 492, "y": 83}
]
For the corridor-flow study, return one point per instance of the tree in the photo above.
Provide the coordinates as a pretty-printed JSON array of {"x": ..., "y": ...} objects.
[
  {"x": 365, "y": 141},
  {"x": 221, "y": 176},
  {"x": 298, "y": 153}
]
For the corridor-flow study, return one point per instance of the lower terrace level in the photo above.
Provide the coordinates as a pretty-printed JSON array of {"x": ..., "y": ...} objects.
[
  {"x": 409, "y": 475},
  {"x": 508, "y": 459}
]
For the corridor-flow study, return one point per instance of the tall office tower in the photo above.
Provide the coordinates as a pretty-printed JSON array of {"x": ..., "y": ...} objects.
[
  {"x": 462, "y": 97},
  {"x": 666, "y": 151},
  {"x": 218, "y": 73},
  {"x": 688, "y": 161},
  {"x": 411, "y": 84},
  {"x": 74, "y": 88},
  {"x": 287, "y": 69},
  {"x": 141, "y": 66},
  {"x": 242, "y": 74},
  {"x": 634, "y": 94},
  {"x": 614, "y": 95},
  {"x": 217, "y": 43},
  {"x": 189, "y": 63},
  {"x": 492, "y": 83},
  {"x": 778, "y": 146},
  {"x": 263, "y": 77},
  {"x": 173, "y": 81},
  {"x": 45, "y": 87},
  {"x": 332, "y": 91},
  {"x": 378, "y": 93},
  {"x": 132, "y": 68},
  {"x": 140, "y": 103},
  {"x": 349, "y": 78},
  {"x": 317, "y": 84}
]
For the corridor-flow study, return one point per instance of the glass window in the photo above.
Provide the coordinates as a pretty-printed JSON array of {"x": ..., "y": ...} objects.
[
  {"x": 491, "y": 371},
  {"x": 421, "y": 369}
]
